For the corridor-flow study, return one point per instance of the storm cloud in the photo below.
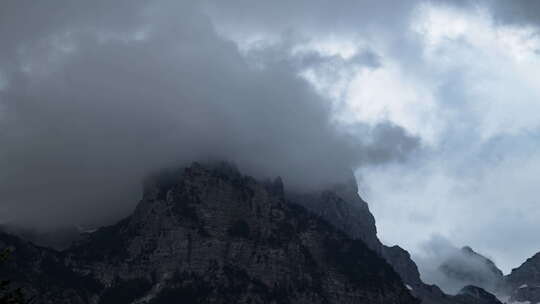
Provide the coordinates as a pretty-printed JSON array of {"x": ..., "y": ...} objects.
[
  {"x": 461, "y": 76},
  {"x": 434, "y": 103},
  {"x": 95, "y": 96}
]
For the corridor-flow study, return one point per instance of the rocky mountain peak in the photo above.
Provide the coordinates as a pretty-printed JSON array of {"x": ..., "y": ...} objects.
[
  {"x": 341, "y": 205},
  {"x": 467, "y": 267},
  {"x": 345, "y": 209},
  {"x": 523, "y": 283},
  {"x": 530, "y": 269},
  {"x": 210, "y": 234}
]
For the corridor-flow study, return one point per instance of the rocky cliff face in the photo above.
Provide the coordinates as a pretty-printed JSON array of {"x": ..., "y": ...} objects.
[
  {"x": 475, "y": 295},
  {"x": 523, "y": 283},
  {"x": 401, "y": 261},
  {"x": 342, "y": 206},
  {"x": 42, "y": 273},
  {"x": 210, "y": 235}
]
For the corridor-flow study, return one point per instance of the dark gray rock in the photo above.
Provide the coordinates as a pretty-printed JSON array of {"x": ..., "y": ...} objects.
[
  {"x": 208, "y": 234},
  {"x": 346, "y": 210},
  {"x": 475, "y": 295},
  {"x": 523, "y": 283},
  {"x": 43, "y": 274},
  {"x": 401, "y": 261}
]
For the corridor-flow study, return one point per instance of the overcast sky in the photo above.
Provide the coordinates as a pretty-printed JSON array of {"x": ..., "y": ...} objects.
[{"x": 435, "y": 104}]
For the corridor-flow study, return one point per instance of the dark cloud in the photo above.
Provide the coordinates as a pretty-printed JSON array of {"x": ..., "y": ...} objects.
[
  {"x": 98, "y": 94},
  {"x": 320, "y": 16},
  {"x": 464, "y": 184},
  {"x": 518, "y": 12},
  {"x": 515, "y": 12}
]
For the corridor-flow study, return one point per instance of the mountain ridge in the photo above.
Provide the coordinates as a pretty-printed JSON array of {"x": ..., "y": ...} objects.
[
  {"x": 523, "y": 282},
  {"x": 213, "y": 235},
  {"x": 256, "y": 228}
]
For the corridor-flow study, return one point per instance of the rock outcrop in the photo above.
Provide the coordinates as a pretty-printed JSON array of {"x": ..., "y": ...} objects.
[
  {"x": 208, "y": 234},
  {"x": 402, "y": 262},
  {"x": 523, "y": 283},
  {"x": 342, "y": 206}
]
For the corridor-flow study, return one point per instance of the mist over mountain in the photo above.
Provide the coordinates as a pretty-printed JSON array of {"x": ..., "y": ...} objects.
[
  {"x": 237, "y": 136},
  {"x": 96, "y": 96},
  {"x": 208, "y": 233},
  {"x": 453, "y": 268},
  {"x": 522, "y": 284}
]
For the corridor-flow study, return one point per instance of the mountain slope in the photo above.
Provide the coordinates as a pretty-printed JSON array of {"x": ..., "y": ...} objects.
[
  {"x": 209, "y": 234},
  {"x": 467, "y": 267},
  {"x": 523, "y": 283},
  {"x": 342, "y": 206},
  {"x": 43, "y": 274},
  {"x": 475, "y": 295}
]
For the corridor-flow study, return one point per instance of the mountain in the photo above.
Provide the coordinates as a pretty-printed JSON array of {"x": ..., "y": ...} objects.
[
  {"x": 521, "y": 286},
  {"x": 467, "y": 267},
  {"x": 475, "y": 295},
  {"x": 341, "y": 206},
  {"x": 523, "y": 283},
  {"x": 402, "y": 262},
  {"x": 208, "y": 234},
  {"x": 58, "y": 238}
]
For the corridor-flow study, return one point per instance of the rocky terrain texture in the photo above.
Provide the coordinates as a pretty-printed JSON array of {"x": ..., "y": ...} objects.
[
  {"x": 402, "y": 262},
  {"x": 342, "y": 206},
  {"x": 477, "y": 295},
  {"x": 207, "y": 234},
  {"x": 523, "y": 283}
]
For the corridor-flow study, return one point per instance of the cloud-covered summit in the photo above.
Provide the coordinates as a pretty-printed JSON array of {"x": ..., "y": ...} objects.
[
  {"x": 93, "y": 95},
  {"x": 96, "y": 95}
]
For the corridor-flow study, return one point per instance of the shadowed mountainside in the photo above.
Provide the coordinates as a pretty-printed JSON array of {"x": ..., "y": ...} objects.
[
  {"x": 209, "y": 234},
  {"x": 344, "y": 208}
]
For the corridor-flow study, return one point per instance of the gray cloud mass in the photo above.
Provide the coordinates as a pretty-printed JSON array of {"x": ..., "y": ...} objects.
[{"x": 96, "y": 95}]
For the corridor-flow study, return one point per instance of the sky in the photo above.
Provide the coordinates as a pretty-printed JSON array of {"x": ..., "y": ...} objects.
[{"x": 433, "y": 104}]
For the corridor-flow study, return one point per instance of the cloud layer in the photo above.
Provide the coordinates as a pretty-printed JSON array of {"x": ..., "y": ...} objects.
[
  {"x": 460, "y": 75},
  {"x": 96, "y": 96}
]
